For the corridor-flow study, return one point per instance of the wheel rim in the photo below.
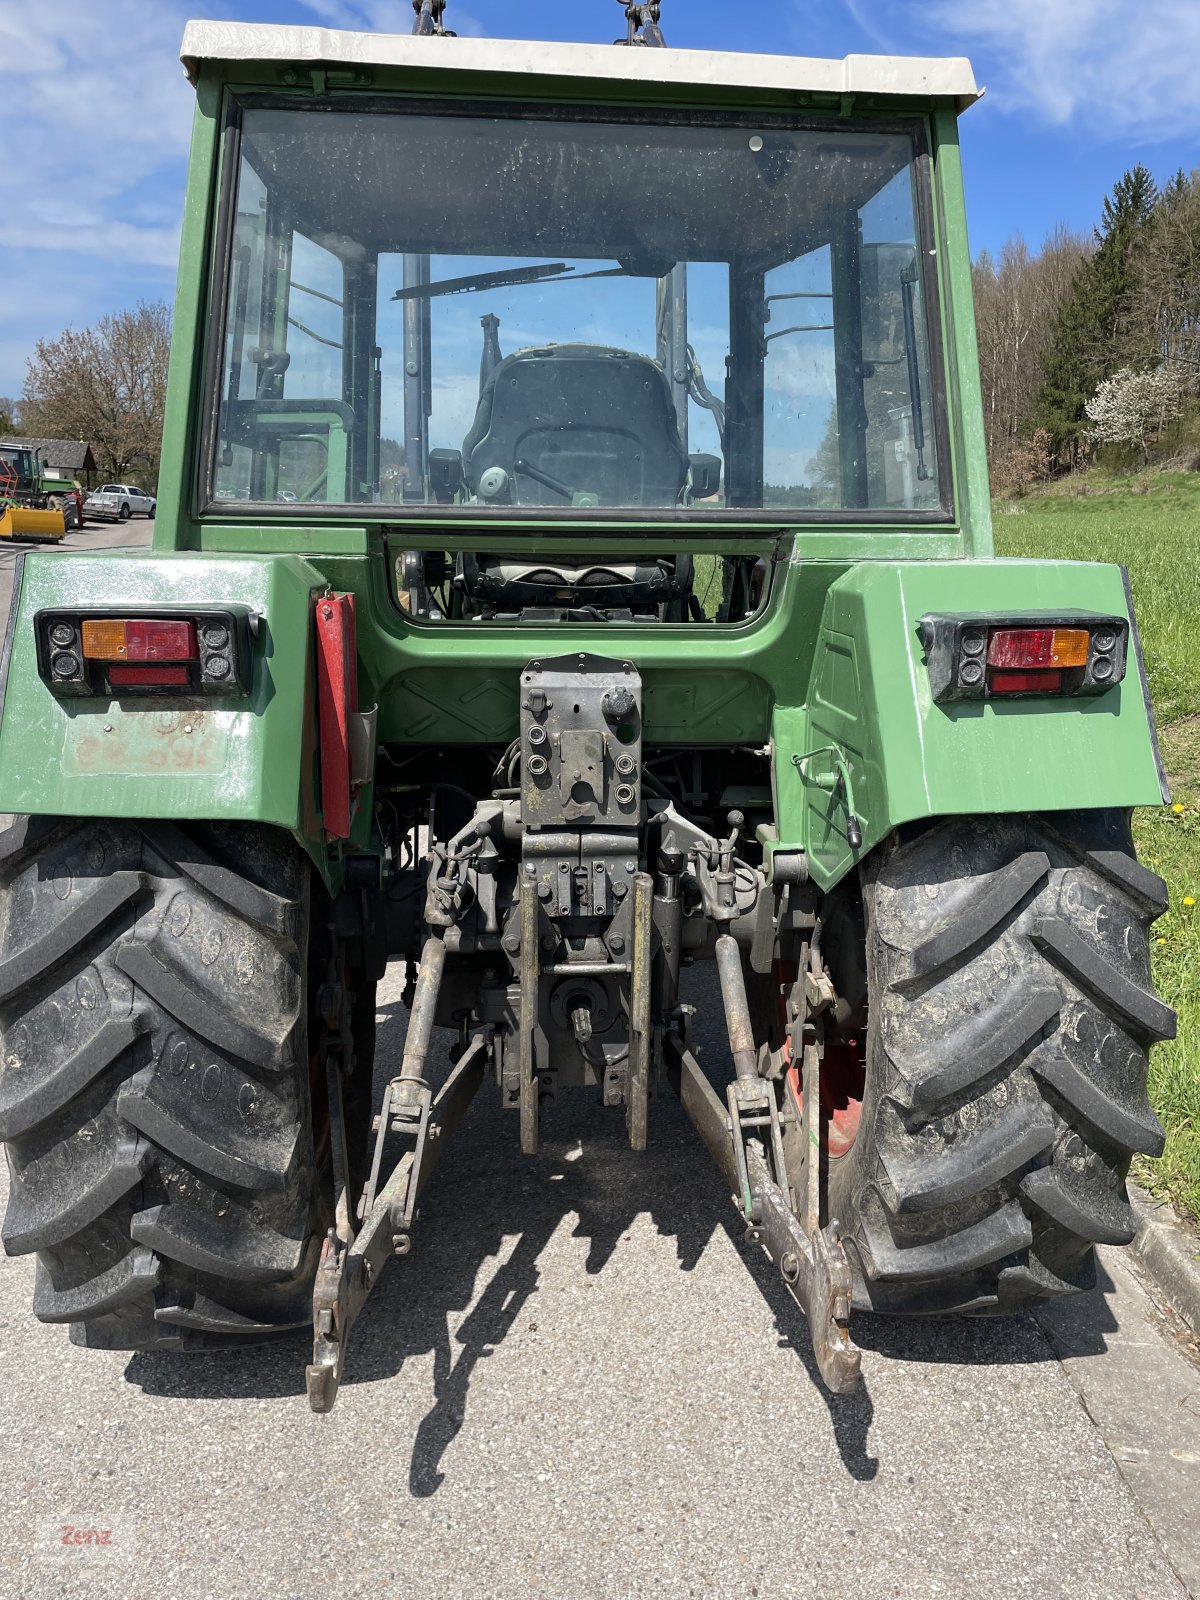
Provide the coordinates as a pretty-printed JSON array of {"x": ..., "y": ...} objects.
[{"x": 843, "y": 1073}]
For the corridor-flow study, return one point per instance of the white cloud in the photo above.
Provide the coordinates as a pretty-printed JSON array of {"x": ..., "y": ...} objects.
[
  {"x": 1112, "y": 68},
  {"x": 94, "y": 126}
]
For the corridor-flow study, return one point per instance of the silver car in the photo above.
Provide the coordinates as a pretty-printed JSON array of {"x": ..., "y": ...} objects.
[{"x": 117, "y": 502}]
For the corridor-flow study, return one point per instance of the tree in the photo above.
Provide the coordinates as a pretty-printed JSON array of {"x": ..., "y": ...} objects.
[
  {"x": 106, "y": 385},
  {"x": 10, "y": 420},
  {"x": 1166, "y": 292},
  {"x": 1017, "y": 301},
  {"x": 1095, "y": 332},
  {"x": 1129, "y": 405}
]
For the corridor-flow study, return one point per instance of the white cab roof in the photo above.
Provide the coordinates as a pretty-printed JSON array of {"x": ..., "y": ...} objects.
[{"x": 919, "y": 77}]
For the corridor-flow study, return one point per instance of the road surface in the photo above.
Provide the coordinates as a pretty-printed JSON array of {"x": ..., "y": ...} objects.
[{"x": 581, "y": 1384}]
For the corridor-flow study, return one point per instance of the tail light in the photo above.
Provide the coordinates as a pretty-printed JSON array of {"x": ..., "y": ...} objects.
[
  {"x": 110, "y": 653},
  {"x": 991, "y": 658}
]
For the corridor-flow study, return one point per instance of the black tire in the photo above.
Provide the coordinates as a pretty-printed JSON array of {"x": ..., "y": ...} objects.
[
  {"x": 125, "y": 513},
  {"x": 1011, "y": 1015},
  {"x": 155, "y": 1096}
]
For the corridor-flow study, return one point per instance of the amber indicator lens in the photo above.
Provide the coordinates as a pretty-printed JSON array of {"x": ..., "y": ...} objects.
[
  {"x": 1025, "y": 649},
  {"x": 139, "y": 639}
]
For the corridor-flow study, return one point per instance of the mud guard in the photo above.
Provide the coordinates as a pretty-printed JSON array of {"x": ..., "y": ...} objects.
[
  {"x": 871, "y": 749},
  {"x": 235, "y": 758}
]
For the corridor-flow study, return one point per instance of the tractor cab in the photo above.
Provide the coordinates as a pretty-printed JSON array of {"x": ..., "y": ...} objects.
[{"x": 436, "y": 312}]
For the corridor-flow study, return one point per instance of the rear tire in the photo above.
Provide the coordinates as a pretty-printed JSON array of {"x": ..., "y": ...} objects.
[
  {"x": 1011, "y": 1016},
  {"x": 154, "y": 1091},
  {"x": 125, "y": 514}
]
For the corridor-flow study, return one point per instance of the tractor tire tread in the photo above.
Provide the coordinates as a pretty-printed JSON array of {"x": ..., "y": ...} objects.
[
  {"x": 1012, "y": 1011},
  {"x": 155, "y": 1106}
]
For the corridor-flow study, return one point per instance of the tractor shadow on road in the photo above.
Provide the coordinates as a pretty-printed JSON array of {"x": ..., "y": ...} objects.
[{"x": 485, "y": 1195}]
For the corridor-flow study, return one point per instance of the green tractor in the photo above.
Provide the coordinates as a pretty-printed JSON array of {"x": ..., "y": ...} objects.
[
  {"x": 573, "y": 564},
  {"x": 32, "y": 507}
]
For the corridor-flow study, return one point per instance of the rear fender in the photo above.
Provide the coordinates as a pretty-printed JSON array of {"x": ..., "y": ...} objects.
[
  {"x": 231, "y": 758},
  {"x": 870, "y": 708}
]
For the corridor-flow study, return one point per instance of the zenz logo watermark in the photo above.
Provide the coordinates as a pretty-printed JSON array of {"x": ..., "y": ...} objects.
[{"x": 81, "y": 1539}]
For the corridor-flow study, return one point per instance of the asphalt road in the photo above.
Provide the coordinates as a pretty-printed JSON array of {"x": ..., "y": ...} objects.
[
  {"x": 582, "y": 1384},
  {"x": 95, "y": 536}
]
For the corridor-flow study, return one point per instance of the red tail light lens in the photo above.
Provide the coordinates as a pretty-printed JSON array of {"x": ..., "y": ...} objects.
[{"x": 160, "y": 641}]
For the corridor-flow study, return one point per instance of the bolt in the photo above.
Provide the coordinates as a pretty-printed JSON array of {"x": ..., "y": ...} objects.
[
  {"x": 620, "y": 890},
  {"x": 618, "y": 944},
  {"x": 108, "y": 727},
  {"x": 187, "y": 727},
  {"x": 563, "y": 867},
  {"x": 512, "y": 944},
  {"x": 544, "y": 891},
  {"x": 599, "y": 867},
  {"x": 631, "y": 866}
]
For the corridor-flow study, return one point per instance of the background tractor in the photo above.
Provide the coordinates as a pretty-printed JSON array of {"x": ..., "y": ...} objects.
[
  {"x": 573, "y": 564},
  {"x": 31, "y": 507}
]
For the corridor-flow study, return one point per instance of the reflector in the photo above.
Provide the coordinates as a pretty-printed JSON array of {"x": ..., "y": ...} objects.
[
  {"x": 148, "y": 677},
  {"x": 1026, "y": 682}
]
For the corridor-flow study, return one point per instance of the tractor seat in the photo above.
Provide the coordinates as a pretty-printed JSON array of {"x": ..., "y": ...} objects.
[{"x": 599, "y": 422}]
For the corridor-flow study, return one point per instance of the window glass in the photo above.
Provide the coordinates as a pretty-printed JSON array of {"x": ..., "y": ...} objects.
[{"x": 484, "y": 312}]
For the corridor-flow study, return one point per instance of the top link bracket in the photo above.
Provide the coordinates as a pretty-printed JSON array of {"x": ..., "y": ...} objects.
[
  {"x": 429, "y": 18},
  {"x": 643, "y": 22}
]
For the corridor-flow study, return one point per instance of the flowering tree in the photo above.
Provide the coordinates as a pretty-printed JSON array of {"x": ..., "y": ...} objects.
[{"x": 1129, "y": 405}]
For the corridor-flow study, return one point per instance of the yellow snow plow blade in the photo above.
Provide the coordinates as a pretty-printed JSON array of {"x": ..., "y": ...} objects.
[{"x": 19, "y": 522}]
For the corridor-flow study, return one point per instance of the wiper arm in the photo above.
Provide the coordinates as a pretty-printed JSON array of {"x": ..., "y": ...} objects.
[
  {"x": 553, "y": 272},
  {"x": 482, "y": 280}
]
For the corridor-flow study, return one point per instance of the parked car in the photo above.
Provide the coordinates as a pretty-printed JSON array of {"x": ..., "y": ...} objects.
[{"x": 117, "y": 502}]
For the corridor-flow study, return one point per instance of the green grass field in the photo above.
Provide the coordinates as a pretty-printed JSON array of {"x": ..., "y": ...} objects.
[{"x": 1151, "y": 524}]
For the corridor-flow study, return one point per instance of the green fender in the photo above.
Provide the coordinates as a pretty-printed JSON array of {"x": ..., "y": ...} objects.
[
  {"x": 869, "y": 699},
  {"x": 233, "y": 758}
]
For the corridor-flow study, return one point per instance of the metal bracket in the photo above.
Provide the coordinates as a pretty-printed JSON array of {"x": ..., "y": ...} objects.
[
  {"x": 811, "y": 1259},
  {"x": 429, "y": 19},
  {"x": 348, "y": 1271},
  {"x": 838, "y": 782},
  {"x": 643, "y": 24}
]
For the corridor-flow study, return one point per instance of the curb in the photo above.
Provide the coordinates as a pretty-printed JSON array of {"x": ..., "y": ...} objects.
[{"x": 1169, "y": 1254}]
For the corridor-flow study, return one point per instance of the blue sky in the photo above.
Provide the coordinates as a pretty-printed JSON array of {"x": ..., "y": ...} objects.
[{"x": 95, "y": 112}]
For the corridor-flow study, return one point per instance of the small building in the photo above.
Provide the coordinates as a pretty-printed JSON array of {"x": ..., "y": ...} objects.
[{"x": 70, "y": 458}]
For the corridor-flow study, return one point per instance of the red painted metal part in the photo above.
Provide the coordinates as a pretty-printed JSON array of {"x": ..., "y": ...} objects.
[
  {"x": 842, "y": 1075},
  {"x": 337, "y": 701}
]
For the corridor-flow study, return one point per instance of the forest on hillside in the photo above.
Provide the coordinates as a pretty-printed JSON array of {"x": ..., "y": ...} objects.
[{"x": 1090, "y": 347}]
